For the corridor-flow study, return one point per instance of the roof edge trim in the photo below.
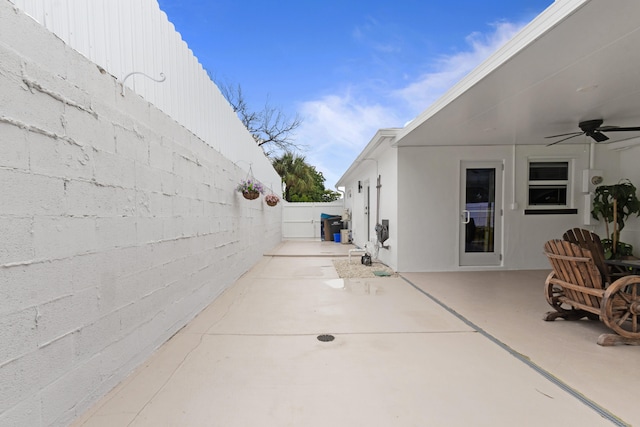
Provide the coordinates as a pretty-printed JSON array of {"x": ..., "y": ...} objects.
[{"x": 381, "y": 136}]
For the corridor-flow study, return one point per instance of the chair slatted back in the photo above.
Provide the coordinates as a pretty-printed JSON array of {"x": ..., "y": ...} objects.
[
  {"x": 589, "y": 240},
  {"x": 574, "y": 264}
]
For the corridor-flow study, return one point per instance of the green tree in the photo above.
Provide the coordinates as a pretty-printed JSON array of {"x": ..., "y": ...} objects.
[
  {"x": 320, "y": 193},
  {"x": 296, "y": 174},
  {"x": 303, "y": 183},
  {"x": 330, "y": 195}
]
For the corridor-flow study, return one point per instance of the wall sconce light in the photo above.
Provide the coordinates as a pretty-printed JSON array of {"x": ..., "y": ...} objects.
[{"x": 359, "y": 186}]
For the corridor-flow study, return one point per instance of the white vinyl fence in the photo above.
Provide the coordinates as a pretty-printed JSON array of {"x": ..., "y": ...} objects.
[
  {"x": 135, "y": 36},
  {"x": 302, "y": 220}
]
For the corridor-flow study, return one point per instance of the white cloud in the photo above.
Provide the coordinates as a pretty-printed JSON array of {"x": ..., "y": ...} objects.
[
  {"x": 449, "y": 69},
  {"x": 337, "y": 127}
]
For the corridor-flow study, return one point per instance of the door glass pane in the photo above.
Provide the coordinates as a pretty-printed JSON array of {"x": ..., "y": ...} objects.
[{"x": 481, "y": 204}]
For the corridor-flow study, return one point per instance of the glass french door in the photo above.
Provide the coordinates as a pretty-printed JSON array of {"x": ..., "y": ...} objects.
[{"x": 481, "y": 213}]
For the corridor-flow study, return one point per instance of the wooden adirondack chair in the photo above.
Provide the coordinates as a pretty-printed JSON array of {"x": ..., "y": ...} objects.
[
  {"x": 589, "y": 240},
  {"x": 575, "y": 290}
]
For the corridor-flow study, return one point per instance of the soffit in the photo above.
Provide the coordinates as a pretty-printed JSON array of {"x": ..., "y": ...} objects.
[{"x": 554, "y": 74}]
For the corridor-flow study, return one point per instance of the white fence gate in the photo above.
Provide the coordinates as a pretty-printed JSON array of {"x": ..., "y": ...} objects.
[{"x": 302, "y": 220}]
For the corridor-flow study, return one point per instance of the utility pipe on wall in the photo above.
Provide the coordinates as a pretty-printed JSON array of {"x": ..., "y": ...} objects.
[
  {"x": 379, "y": 226},
  {"x": 514, "y": 203},
  {"x": 378, "y": 190}
]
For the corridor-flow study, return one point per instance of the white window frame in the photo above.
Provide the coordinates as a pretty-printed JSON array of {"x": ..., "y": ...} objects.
[{"x": 565, "y": 182}]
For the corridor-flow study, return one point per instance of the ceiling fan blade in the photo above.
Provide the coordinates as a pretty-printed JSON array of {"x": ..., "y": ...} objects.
[
  {"x": 619, "y": 129},
  {"x": 564, "y": 139},
  {"x": 597, "y": 136},
  {"x": 565, "y": 134}
]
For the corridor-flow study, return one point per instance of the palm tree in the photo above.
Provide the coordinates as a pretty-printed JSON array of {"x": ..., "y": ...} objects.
[{"x": 296, "y": 174}]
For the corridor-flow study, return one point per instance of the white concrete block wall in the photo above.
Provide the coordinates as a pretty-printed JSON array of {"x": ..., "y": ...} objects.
[{"x": 117, "y": 226}]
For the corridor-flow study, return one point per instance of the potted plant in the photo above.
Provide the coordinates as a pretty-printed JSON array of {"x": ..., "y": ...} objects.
[
  {"x": 271, "y": 199},
  {"x": 250, "y": 189},
  {"x": 615, "y": 204}
]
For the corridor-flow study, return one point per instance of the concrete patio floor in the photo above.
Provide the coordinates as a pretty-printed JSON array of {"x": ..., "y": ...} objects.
[{"x": 425, "y": 349}]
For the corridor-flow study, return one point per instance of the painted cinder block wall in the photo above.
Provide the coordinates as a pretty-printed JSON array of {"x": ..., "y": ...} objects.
[{"x": 117, "y": 226}]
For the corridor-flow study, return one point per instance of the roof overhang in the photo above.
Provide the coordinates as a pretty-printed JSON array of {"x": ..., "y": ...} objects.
[
  {"x": 578, "y": 60},
  {"x": 382, "y": 139}
]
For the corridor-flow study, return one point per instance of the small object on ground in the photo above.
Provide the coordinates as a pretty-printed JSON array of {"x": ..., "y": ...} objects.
[
  {"x": 347, "y": 270},
  {"x": 382, "y": 273}
]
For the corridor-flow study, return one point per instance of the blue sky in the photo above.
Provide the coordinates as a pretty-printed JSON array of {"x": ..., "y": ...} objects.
[{"x": 348, "y": 68}]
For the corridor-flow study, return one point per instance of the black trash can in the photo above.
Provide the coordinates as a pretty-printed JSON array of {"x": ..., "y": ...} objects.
[
  {"x": 336, "y": 226},
  {"x": 331, "y": 226}
]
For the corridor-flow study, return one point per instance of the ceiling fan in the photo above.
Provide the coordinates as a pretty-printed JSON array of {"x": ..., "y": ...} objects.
[{"x": 594, "y": 129}]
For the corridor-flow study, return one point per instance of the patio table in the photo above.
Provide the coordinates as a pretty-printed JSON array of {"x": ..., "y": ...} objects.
[{"x": 624, "y": 267}]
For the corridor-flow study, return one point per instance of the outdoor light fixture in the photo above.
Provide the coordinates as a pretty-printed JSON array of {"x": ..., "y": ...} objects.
[{"x": 359, "y": 186}]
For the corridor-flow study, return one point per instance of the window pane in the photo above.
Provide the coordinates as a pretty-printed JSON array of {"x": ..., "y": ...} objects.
[
  {"x": 548, "y": 195},
  {"x": 548, "y": 171}
]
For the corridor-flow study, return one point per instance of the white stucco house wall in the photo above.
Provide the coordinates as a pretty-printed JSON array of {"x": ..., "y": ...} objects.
[{"x": 576, "y": 61}]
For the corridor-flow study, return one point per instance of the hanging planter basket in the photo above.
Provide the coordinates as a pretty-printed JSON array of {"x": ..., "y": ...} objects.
[
  {"x": 251, "y": 195},
  {"x": 271, "y": 199},
  {"x": 250, "y": 187}
]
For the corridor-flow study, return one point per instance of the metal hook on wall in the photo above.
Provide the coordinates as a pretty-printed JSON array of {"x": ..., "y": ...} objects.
[
  {"x": 160, "y": 80},
  {"x": 244, "y": 161},
  {"x": 250, "y": 171}
]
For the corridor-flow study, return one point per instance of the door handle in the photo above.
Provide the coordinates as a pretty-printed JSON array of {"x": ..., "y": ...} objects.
[{"x": 467, "y": 216}]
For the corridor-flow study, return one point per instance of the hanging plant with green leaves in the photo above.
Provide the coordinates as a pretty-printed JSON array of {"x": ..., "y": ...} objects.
[{"x": 615, "y": 204}]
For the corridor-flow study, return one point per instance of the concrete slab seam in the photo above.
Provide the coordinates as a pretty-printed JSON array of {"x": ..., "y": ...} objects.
[
  {"x": 313, "y": 334},
  {"x": 166, "y": 381},
  {"x": 555, "y": 380}
]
